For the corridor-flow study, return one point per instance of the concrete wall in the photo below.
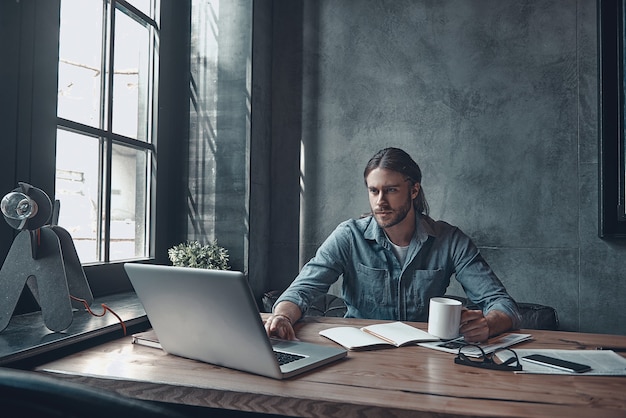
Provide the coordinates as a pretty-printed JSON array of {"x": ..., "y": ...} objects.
[
  {"x": 496, "y": 101},
  {"x": 218, "y": 168}
]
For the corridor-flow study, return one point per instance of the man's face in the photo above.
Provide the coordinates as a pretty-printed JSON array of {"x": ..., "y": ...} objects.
[{"x": 391, "y": 196}]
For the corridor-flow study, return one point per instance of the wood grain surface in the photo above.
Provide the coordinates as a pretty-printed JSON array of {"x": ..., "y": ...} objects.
[{"x": 392, "y": 382}]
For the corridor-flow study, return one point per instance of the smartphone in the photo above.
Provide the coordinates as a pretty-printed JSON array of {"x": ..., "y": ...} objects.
[{"x": 569, "y": 366}]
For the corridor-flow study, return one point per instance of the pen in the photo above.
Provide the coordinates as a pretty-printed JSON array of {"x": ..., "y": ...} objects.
[{"x": 616, "y": 349}]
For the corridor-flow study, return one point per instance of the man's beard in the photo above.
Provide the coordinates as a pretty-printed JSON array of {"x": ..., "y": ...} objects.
[{"x": 397, "y": 215}]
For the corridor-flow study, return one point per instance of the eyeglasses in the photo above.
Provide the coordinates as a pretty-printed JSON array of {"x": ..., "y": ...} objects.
[{"x": 486, "y": 361}]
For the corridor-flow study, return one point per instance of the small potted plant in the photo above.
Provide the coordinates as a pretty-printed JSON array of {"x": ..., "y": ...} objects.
[{"x": 193, "y": 254}]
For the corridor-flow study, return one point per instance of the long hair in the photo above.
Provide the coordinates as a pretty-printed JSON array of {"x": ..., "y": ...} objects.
[{"x": 398, "y": 160}]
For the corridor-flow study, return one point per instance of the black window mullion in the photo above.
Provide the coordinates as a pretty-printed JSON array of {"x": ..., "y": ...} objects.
[
  {"x": 90, "y": 130},
  {"x": 104, "y": 88},
  {"x": 135, "y": 14},
  {"x": 108, "y": 158}
]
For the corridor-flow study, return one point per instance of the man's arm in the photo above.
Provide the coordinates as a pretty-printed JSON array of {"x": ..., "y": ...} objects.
[
  {"x": 280, "y": 323},
  {"x": 483, "y": 287}
]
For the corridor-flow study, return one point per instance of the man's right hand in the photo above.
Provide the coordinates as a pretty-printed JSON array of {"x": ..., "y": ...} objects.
[
  {"x": 279, "y": 326},
  {"x": 280, "y": 323}
]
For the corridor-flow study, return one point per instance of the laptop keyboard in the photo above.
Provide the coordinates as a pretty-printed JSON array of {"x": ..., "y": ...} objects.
[{"x": 284, "y": 358}]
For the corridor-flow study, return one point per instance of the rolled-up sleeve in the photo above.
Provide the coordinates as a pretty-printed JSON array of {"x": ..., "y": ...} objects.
[
  {"x": 480, "y": 283},
  {"x": 316, "y": 277}
]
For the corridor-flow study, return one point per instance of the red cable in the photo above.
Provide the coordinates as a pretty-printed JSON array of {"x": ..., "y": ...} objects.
[{"x": 105, "y": 307}]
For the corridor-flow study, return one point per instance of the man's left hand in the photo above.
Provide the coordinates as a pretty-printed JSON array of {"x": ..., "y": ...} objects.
[
  {"x": 477, "y": 328},
  {"x": 474, "y": 326}
]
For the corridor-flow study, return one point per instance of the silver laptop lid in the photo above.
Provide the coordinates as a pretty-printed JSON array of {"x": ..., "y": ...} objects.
[{"x": 211, "y": 316}]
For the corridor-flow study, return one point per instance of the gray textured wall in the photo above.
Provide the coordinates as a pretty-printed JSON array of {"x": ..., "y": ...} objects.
[{"x": 497, "y": 102}]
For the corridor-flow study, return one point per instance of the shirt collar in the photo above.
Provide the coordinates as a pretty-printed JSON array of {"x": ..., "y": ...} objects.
[
  {"x": 425, "y": 227},
  {"x": 423, "y": 231}
]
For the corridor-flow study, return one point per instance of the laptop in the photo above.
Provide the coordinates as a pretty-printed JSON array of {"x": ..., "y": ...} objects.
[{"x": 211, "y": 316}]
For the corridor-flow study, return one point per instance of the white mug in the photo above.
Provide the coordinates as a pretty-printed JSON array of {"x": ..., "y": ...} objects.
[{"x": 444, "y": 318}]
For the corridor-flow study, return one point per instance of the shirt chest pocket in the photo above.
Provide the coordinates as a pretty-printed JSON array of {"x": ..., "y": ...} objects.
[
  {"x": 372, "y": 286},
  {"x": 426, "y": 284}
]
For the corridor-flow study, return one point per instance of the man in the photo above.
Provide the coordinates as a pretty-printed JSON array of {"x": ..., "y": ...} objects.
[{"x": 394, "y": 260}]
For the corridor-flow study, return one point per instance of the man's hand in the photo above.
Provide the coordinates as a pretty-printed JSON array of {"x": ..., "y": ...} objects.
[
  {"x": 474, "y": 326},
  {"x": 477, "y": 328},
  {"x": 280, "y": 323},
  {"x": 279, "y": 326}
]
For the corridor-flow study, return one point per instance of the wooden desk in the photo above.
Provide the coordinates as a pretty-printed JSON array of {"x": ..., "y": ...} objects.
[{"x": 401, "y": 382}]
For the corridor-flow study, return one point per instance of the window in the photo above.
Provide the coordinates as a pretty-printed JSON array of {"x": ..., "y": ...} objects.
[
  {"x": 612, "y": 115},
  {"x": 106, "y": 126}
]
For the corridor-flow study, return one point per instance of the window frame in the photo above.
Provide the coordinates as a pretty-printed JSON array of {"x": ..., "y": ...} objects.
[
  {"x": 105, "y": 133},
  {"x": 611, "y": 102}
]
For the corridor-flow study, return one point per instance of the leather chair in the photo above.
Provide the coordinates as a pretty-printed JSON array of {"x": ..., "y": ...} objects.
[
  {"x": 34, "y": 394},
  {"x": 535, "y": 316}
]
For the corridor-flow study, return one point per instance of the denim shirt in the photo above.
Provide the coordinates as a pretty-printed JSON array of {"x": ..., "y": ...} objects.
[{"x": 376, "y": 286}]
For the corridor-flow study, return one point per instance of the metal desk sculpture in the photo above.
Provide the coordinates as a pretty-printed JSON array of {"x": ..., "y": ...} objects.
[{"x": 43, "y": 257}]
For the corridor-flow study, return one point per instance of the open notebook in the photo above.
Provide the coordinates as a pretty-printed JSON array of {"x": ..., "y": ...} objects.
[{"x": 211, "y": 316}]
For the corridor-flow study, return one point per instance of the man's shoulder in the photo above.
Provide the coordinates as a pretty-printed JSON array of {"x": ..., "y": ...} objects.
[
  {"x": 437, "y": 228},
  {"x": 356, "y": 224},
  {"x": 363, "y": 227}
]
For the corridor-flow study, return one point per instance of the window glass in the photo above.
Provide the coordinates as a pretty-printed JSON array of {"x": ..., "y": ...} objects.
[
  {"x": 76, "y": 186},
  {"x": 131, "y": 77},
  {"x": 80, "y": 61},
  {"x": 129, "y": 188}
]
